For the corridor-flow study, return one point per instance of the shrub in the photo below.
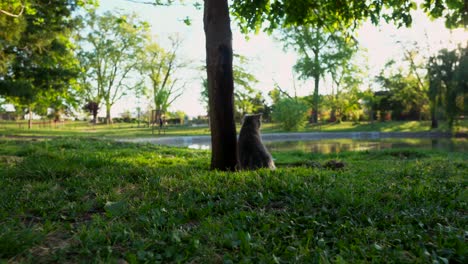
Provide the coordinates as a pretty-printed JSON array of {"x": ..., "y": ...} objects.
[{"x": 290, "y": 113}]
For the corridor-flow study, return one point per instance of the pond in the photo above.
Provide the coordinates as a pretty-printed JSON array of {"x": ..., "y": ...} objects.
[
  {"x": 331, "y": 142},
  {"x": 339, "y": 145}
]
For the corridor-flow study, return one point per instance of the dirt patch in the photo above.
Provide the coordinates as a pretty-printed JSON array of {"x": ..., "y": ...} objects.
[
  {"x": 53, "y": 242},
  {"x": 10, "y": 160}
]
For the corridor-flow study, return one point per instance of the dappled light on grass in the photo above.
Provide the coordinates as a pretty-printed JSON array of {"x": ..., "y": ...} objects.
[{"x": 91, "y": 200}]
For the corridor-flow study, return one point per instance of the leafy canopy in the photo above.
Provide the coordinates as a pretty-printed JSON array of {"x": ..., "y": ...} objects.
[
  {"x": 271, "y": 14},
  {"x": 37, "y": 64}
]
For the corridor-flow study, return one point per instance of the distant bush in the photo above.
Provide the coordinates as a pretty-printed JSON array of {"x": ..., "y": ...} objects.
[{"x": 290, "y": 113}]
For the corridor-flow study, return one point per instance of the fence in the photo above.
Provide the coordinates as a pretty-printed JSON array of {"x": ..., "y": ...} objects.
[{"x": 24, "y": 124}]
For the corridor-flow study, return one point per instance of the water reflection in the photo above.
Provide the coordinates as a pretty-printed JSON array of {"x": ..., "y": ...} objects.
[
  {"x": 199, "y": 146},
  {"x": 340, "y": 145}
]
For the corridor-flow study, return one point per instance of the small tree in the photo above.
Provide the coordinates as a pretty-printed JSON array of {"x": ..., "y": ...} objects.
[
  {"x": 92, "y": 108},
  {"x": 181, "y": 115},
  {"x": 161, "y": 67},
  {"x": 291, "y": 113}
]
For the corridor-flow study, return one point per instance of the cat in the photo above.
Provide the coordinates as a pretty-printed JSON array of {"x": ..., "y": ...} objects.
[{"x": 251, "y": 151}]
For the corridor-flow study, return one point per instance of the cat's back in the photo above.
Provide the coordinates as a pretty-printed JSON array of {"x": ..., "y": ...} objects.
[{"x": 252, "y": 152}]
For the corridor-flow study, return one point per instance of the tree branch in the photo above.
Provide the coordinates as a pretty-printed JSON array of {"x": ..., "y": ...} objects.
[
  {"x": 282, "y": 91},
  {"x": 11, "y": 14},
  {"x": 177, "y": 95},
  {"x": 120, "y": 83}
]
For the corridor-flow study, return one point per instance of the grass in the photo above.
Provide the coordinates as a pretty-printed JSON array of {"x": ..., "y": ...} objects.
[
  {"x": 95, "y": 201},
  {"x": 84, "y": 129},
  {"x": 125, "y": 130}
]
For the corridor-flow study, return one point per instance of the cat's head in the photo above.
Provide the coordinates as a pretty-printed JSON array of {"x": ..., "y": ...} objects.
[{"x": 253, "y": 120}]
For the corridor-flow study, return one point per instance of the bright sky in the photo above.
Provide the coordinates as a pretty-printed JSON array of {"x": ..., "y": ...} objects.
[{"x": 269, "y": 62}]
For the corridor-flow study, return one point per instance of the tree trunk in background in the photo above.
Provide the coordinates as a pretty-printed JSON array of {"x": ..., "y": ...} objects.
[
  {"x": 30, "y": 118},
  {"x": 434, "y": 122},
  {"x": 108, "y": 115},
  {"x": 333, "y": 115},
  {"x": 220, "y": 85},
  {"x": 316, "y": 100},
  {"x": 95, "y": 118}
]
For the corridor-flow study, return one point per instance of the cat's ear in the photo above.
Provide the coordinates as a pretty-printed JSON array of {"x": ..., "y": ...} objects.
[{"x": 243, "y": 119}]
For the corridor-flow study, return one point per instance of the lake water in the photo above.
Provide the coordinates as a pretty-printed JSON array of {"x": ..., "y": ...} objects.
[
  {"x": 339, "y": 145},
  {"x": 332, "y": 142}
]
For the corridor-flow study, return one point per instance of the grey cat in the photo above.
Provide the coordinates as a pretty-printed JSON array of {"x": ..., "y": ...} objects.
[{"x": 252, "y": 153}]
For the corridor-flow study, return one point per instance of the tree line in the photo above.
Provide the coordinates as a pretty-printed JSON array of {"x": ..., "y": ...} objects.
[
  {"x": 73, "y": 61},
  {"x": 422, "y": 88}
]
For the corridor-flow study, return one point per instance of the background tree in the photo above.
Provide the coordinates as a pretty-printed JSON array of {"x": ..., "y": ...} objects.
[
  {"x": 92, "y": 107},
  {"x": 344, "y": 105},
  {"x": 11, "y": 29},
  {"x": 36, "y": 21},
  {"x": 320, "y": 52},
  {"x": 109, "y": 55},
  {"x": 247, "y": 98},
  {"x": 370, "y": 103},
  {"x": 38, "y": 61},
  {"x": 346, "y": 76},
  {"x": 204, "y": 97},
  {"x": 161, "y": 68},
  {"x": 407, "y": 95},
  {"x": 448, "y": 80},
  {"x": 181, "y": 115}
]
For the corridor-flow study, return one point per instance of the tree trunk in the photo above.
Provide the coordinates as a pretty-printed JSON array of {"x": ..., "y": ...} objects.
[
  {"x": 108, "y": 115},
  {"x": 220, "y": 84},
  {"x": 333, "y": 115},
  {"x": 30, "y": 118},
  {"x": 434, "y": 122},
  {"x": 316, "y": 100},
  {"x": 57, "y": 115},
  {"x": 138, "y": 117},
  {"x": 95, "y": 118}
]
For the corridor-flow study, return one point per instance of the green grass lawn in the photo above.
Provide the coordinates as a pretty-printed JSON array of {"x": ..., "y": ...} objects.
[
  {"x": 125, "y": 130},
  {"x": 82, "y": 200}
]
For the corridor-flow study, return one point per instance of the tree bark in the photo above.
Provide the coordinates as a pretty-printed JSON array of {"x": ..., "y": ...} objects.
[
  {"x": 371, "y": 116},
  {"x": 30, "y": 118},
  {"x": 95, "y": 118},
  {"x": 220, "y": 84},
  {"x": 434, "y": 121},
  {"x": 316, "y": 100},
  {"x": 108, "y": 115}
]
